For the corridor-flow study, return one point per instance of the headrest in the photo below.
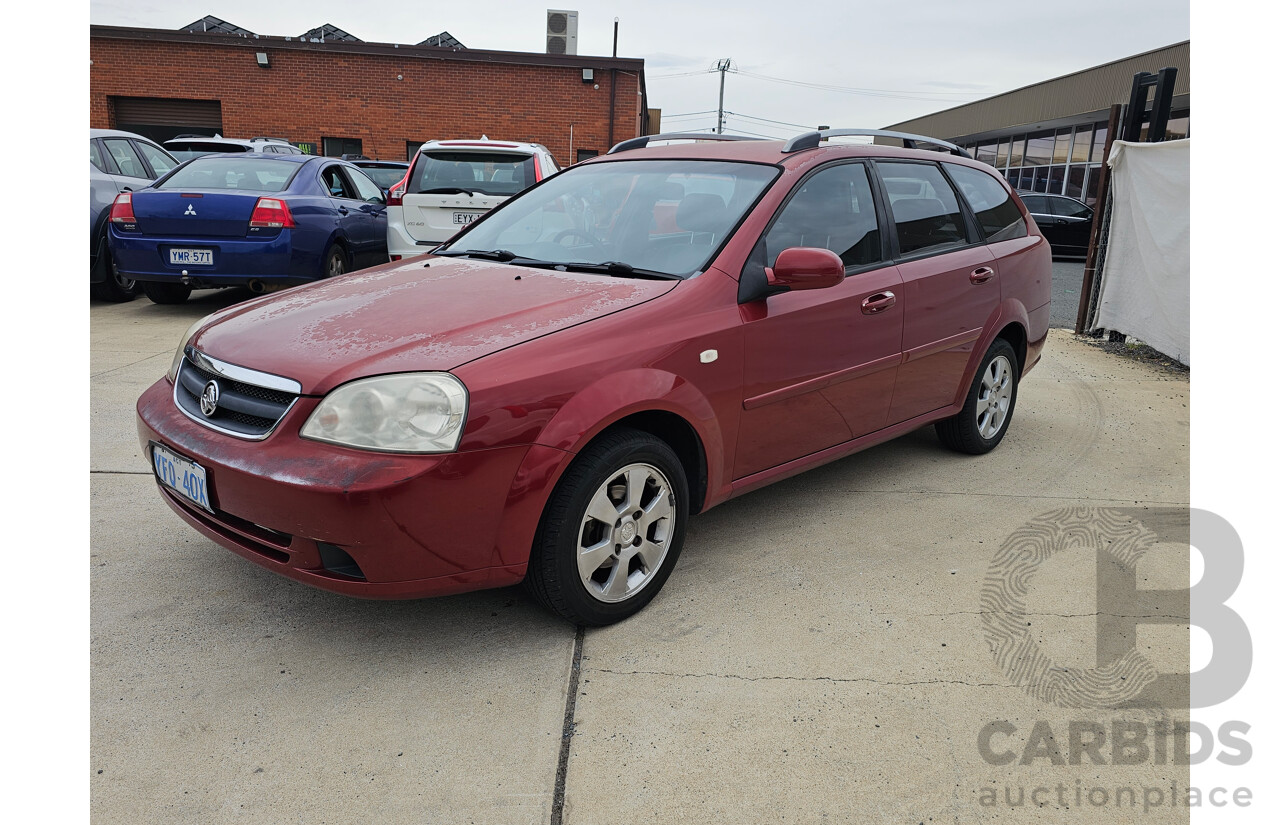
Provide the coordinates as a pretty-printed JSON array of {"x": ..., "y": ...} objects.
[{"x": 701, "y": 213}]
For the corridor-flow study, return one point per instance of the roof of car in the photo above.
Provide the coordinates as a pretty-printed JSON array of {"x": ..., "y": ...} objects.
[
  {"x": 770, "y": 151},
  {"x": 99, "y": 133},
  {"x": 260, "y": 156},
  {"x": 368, "y": 162}
]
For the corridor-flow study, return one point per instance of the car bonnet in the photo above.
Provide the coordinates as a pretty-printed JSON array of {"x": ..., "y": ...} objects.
[{"x": 425, "y": 314}]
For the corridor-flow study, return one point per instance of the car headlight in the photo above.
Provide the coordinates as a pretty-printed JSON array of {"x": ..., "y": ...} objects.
[
  {"x": 182, "y": 346},
  {"x": 419, "y": 412}
]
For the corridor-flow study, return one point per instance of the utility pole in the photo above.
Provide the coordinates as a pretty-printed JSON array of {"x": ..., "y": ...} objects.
[{"x": 722, "y": 67}]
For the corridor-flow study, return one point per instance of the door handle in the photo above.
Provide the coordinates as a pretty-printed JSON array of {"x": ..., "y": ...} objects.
[
  {"x": 981, "y": 275},
  {"x": 875, "y": 304},
  {"x": 342, "y": 210}
]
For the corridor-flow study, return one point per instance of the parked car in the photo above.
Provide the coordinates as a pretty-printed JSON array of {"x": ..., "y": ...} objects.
[
  {"x": 118, "y": 161},
  {"x": 186, "y": 147},
  {"x": 551, "y": 395},
  {"x": 385, "y": 173},
  {"x": 1066, "y": 222},
  {"x": 452, "y": 183},
  {"x": 258, "y": 220}
]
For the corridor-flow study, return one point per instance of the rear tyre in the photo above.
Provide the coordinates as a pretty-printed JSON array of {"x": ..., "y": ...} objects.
[
  {"x": 335, "y": 263},
  {"x": 988, "y": 409},
  {"x": 612, "y": 530},
  {"x": 114, "y": 287},
  {"x": 165, "y": 292}
]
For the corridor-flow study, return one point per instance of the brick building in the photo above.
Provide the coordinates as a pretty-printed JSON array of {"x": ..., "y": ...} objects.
[{"x": 343, "y": 95}]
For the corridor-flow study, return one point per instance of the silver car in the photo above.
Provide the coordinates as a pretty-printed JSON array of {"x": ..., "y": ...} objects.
[{"x": 118, "y": 161}]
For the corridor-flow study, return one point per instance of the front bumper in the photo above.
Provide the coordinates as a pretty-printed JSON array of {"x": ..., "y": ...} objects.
[{"x": 415, "y": 525}]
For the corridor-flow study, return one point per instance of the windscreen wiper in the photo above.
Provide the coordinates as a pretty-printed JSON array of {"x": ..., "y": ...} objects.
[
  {"x": 504, "y": 256},
  {"x": 621, "y": 270},
  {"x": 447, "y": 190}
]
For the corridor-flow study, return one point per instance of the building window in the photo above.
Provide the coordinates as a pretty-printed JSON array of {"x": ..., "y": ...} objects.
[
  {"x": 1062, "y": 146},
  {"x": 1039, "y": 149},
  {"x": 1017, "y": 151},
  {"x": 1080, "y": 149},
  {"x": 411, "y": 148},
  {"x": 337, "y": 147},
  {"x": 583, "y": 154}
]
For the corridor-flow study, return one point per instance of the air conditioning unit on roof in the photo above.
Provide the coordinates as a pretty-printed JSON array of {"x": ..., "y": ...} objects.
[{"x": 562, "y": 31}]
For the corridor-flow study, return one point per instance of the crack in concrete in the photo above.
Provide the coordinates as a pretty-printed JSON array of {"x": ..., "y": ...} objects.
[
  {"x": 1057, "y": 615},
  {"x": 802, "y": 678}
]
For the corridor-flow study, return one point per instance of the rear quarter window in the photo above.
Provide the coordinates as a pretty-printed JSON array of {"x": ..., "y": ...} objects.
[{"x": 997, "y": 214}]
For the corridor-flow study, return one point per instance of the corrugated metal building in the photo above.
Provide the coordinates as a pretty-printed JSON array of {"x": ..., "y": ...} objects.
[{"x": 1049, "y": 136}]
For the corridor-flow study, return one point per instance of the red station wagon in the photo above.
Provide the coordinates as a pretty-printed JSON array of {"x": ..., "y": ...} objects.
[{"x": 550, "y": 395}]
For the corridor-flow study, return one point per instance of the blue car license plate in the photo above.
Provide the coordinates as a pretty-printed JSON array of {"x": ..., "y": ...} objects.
[
  {"x": 186, "y": 478},
  {"x": 191, "y": 257}
]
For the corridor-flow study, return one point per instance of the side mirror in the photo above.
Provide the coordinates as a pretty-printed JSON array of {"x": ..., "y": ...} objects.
[{"x": 804, "y": 267}]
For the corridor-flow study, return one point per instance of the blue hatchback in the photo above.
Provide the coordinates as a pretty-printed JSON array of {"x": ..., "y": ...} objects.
[{"x": 256, "y": 220}]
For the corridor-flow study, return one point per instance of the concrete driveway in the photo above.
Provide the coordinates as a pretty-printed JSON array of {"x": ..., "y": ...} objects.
[{"x": 818, "y": 654}]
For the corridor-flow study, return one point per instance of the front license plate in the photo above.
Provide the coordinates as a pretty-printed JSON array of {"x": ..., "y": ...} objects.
[
  {"x": 191, "y": 257},
  {"x": 186, "y": 478},
  {"x": 465, "y": 217}
]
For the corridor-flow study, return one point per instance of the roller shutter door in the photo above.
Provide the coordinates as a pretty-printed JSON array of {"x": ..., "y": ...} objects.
[{"x": 165, "y": 118}]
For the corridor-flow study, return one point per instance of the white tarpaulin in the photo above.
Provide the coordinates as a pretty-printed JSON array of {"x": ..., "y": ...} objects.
[{"x": 1146, "y": 277}]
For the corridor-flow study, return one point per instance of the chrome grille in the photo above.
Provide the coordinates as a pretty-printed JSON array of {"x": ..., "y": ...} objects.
[{"x": 244, "y": 408}]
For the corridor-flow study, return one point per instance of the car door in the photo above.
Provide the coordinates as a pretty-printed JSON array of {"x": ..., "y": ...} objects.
[
  {"x": 1074, "y": 222},
  {"x": 354, "y": 224},
  {"x": 819, "y": 365},
  {"x": 950, "y": 285},
  {"x": 370, "y": 218}
]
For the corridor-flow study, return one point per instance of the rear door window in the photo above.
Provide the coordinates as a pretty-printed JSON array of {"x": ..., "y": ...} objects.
[
  {"x": 1068, "y": 208},
  {"x": 926, "y": 214},
  {"x": 997, "y": 214},
  {"x": 488, "y": 173},
  {"x": 126, "y": 158},
  {"x": 1035, "y": 204},
  {"x": 336, "y": 184}
]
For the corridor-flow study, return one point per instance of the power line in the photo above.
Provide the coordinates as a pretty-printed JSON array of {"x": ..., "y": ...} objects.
[
  {"x": 767, "y": 120},
  {"x": 681, "y": 74},
  {"x": 826, "y": 87}
]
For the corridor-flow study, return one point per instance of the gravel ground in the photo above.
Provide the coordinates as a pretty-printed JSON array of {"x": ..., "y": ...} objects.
[{"x": 1067, "y": 277}]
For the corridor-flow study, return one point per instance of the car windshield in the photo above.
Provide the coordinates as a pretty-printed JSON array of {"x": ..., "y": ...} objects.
[
  {"x": 250, "y": 174},
  {"x": 661, "y": 216},
  {"x": 487, "y": 173},
  {"x": 385, "y": 176},
  {"x": 188, "y": 150}
]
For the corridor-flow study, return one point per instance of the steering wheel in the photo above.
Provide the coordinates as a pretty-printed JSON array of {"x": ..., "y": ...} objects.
[{"x": 577, "y": 233}]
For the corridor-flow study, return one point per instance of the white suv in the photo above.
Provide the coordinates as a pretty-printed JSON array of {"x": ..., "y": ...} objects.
[
  {"x": 453, "y": 182},
  {"x": 193, "y": 146}
]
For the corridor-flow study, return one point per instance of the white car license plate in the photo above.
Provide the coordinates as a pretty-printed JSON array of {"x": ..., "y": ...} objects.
[
  {"x": 185, "y": 478},
  {"x": 191, "y": 257},
  {"x": 465, "y": 217}
]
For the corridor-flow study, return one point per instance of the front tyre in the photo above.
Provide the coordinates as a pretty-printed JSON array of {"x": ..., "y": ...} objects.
[
  {"x": 165, "y": 292},
  {"x": 984, "y": 419},
  {"x": 612, "y": 530}
]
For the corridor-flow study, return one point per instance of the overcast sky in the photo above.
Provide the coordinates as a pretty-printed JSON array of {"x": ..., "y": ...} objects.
[{"x": 902, "y": 60}]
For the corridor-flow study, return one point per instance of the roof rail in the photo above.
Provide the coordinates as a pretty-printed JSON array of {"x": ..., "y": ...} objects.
[
  {"x": 273, "y": 139},
  {"x": 643, "y": 140},
  {"x": 810, "y": 140}
]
